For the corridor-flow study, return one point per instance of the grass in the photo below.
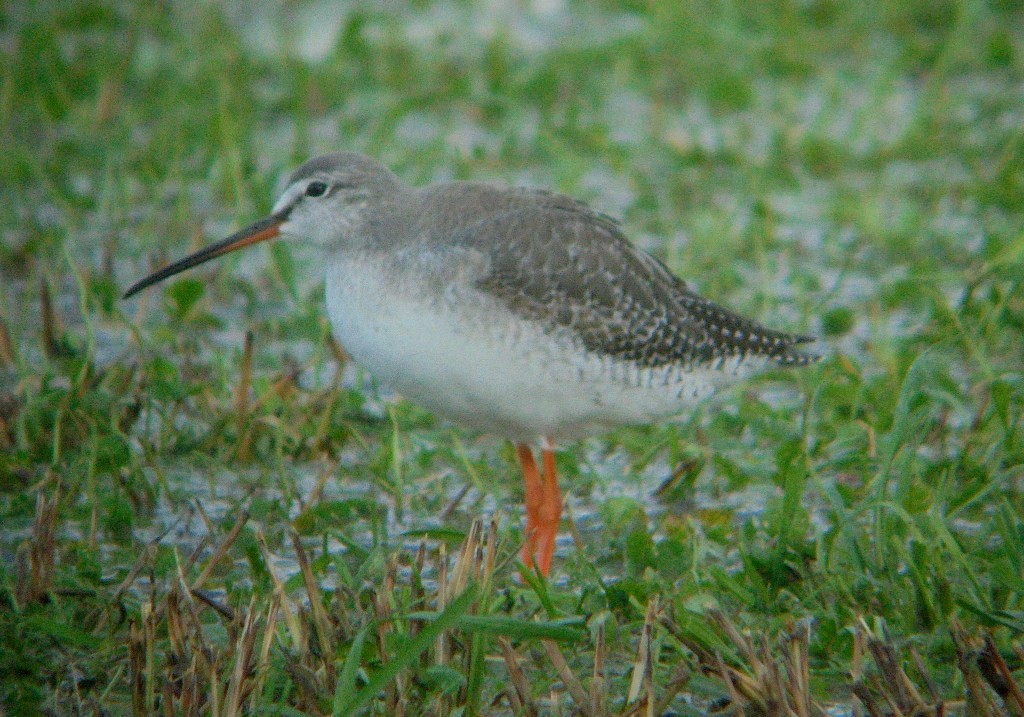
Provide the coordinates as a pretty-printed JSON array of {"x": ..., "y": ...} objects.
[{"x": 204, "y": 509}]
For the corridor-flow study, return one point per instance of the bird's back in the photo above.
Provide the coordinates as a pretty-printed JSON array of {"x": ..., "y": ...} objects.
[{"x": 554, "y": 260}]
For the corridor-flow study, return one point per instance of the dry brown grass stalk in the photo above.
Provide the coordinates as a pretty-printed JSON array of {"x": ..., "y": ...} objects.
[
  {"x": 37, "y": 557},
  {"x": 221, "y": 551},
  {"x": 991, "y": 689},
  {"x": 999, "y": 677},
  {"x": 321, "y": 623},
  {"x": 519, "y": 697},
  {"x": 769, "y": 680},
  {"x": 641, "y": 686},
  {"x": 571, "y": 682},
  {"x": 7, "y": 353},
  {"x": 51, "y": 325}
]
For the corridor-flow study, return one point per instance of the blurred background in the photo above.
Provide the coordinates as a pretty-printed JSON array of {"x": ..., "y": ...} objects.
[{"x": 850, "y": 170}]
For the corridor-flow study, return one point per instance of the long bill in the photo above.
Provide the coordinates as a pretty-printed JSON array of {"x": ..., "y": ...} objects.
[{"x": 260, "y": 231}]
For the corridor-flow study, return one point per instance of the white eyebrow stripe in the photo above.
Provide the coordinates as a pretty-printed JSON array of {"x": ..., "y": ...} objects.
[{"x": 290, "y": 196}]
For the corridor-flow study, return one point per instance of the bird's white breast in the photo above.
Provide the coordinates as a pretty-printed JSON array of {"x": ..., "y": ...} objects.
[{"x": 461, "y": 354}]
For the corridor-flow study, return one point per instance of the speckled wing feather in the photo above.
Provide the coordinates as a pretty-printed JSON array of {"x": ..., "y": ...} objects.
[{"x": 558, "y": 262}]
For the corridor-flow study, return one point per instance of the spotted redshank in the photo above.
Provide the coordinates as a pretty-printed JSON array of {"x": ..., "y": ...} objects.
[{"x": 514, "y": 311}]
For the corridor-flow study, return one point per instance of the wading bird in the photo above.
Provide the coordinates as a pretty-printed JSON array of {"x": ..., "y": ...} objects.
[{"x": 513, "y": 311}]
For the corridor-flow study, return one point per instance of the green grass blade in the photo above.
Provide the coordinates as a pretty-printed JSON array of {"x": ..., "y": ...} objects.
[
  {"x": 349, "y": 704},
  {"x": 345, "y": 692},
  {"x": 540, "y": 586}
]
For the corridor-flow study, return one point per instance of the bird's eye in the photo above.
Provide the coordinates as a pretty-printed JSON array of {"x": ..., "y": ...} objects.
[{"x": 316, "y": 189}]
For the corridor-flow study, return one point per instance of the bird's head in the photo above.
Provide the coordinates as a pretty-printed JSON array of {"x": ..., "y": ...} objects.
[{"x": 329, "y": 201}]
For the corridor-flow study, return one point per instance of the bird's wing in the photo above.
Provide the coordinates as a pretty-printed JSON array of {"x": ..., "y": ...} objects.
[{"x": 568, "y": 267}]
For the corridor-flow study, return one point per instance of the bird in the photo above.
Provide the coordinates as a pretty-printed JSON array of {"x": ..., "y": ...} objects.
[{"x": 514, "y": 311}]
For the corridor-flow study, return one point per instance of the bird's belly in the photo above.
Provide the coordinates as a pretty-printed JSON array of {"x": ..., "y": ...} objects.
[{"x": 467, "y": 358}]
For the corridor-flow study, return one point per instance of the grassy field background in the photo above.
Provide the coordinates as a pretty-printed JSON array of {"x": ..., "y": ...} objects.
[{"x": 205, "y": 509}]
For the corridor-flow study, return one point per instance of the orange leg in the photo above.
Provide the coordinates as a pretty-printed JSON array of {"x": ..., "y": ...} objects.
[
  {"x": 543, "y": 507},
  {"x": 534, "y": 491}
]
